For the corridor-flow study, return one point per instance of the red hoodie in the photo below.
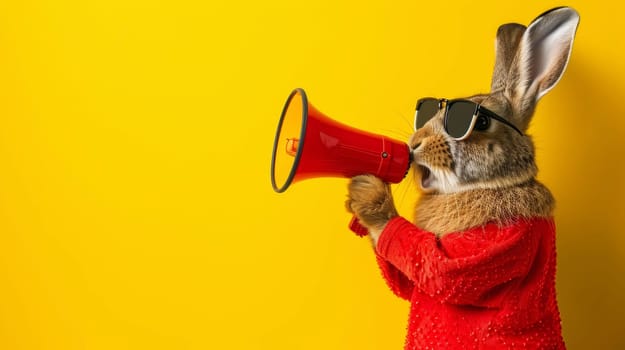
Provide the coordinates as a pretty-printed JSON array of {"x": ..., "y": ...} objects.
[{"x": 489, "y": 287}]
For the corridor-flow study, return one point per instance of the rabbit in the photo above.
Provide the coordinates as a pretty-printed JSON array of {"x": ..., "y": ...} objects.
[{"x": 478, "y": 262}]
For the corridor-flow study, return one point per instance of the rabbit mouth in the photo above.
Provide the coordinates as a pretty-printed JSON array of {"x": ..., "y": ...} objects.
[{"x": 426, "y": 176}]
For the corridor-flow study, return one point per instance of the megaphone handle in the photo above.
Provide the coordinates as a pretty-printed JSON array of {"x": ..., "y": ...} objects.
[{"x": 357, "y": 227}]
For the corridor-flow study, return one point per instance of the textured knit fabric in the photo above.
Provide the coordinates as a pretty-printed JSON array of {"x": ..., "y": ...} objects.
[{"x": 490, "y": 287}]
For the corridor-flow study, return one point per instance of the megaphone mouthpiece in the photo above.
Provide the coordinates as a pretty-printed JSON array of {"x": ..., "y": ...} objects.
[{"x": 292, "y": 144}]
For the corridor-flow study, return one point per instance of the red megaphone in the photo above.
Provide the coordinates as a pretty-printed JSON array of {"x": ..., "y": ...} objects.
[{"x": 309, "y": 144}]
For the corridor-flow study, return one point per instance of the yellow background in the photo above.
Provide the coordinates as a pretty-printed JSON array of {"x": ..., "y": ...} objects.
[{"x": 136, "y": 210}]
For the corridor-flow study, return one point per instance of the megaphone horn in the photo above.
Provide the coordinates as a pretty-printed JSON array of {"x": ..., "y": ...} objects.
[{"x": 309, "y": 144}]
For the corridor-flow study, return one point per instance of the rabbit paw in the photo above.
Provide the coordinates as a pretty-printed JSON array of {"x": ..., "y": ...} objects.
[{"x": 371, "y": 200}]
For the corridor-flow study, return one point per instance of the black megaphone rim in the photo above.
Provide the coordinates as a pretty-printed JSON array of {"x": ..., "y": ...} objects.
[{"x": 300, "y": 147}]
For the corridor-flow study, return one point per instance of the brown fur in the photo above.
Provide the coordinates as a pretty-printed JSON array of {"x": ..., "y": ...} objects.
[
  {"x": 446, "y": 213},
  {"x": 508, "y": 38},
  {"x": 371, "y": 199}
]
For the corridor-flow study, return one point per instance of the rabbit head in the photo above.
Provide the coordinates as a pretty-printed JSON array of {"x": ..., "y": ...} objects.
[
  {"x": 490, "y": 175},
  {"x": 529, "y": 62}
]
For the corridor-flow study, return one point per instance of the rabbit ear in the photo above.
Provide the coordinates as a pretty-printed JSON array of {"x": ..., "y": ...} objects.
[
  {"x": 506, "y": 44},
  {"x": 541, "y": 58}
]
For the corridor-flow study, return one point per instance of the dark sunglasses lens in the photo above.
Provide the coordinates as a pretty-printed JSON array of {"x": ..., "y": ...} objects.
[
  {"x": 459, "y": 117},
  {"x": 425, "y": 111}
]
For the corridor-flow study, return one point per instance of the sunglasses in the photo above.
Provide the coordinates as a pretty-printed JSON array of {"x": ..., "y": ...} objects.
[{"x": 461, "y": 116}]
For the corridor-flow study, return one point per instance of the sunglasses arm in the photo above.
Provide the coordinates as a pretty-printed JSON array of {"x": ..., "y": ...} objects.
[{"x": 491, "y": 114}]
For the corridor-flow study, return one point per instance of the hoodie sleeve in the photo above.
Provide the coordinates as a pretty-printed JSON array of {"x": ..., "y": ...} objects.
[
  {"x": 396, "y": 280},
  {"x": 475, "y": 267}
]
